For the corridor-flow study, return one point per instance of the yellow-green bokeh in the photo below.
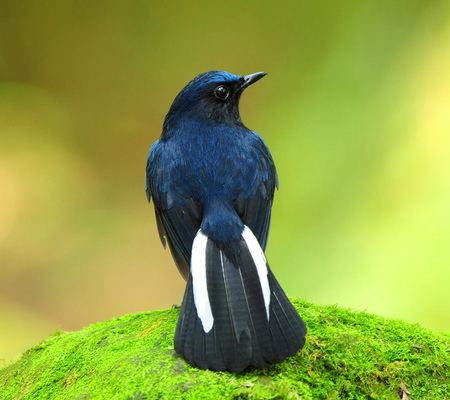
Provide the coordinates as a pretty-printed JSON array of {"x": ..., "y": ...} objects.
[{"x": 355, "y": 110}]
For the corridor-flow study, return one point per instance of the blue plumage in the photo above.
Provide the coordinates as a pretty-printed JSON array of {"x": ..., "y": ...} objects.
[{"x": 210, "y": 177}]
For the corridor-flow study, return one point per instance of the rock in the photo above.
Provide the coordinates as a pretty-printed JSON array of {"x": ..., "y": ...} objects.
[{"x": 348, "y": 354}]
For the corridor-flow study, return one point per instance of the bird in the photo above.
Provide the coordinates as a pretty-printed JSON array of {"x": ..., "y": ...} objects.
[{"x": 212, "y": 181}]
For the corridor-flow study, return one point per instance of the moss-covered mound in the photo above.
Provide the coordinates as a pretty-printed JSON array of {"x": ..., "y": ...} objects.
[{"x": 348, "y": 354}]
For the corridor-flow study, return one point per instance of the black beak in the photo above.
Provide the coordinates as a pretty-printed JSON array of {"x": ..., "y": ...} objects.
[{"x": 249, "y": 79}]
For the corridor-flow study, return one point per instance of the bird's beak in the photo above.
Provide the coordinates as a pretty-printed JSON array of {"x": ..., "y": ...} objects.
[{"x": 249, "y": 79}]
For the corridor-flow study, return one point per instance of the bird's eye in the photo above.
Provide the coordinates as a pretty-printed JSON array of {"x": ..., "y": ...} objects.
[{"x": 221, "y": 92}]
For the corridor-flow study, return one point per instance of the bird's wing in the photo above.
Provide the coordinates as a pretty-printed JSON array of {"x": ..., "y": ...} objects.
[
  {"x": 178, "y": 218},
  {"x": 254, "y": 207}
]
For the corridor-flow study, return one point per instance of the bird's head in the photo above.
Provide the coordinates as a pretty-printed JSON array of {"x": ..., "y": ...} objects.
[{"x": 213, "y": 96}]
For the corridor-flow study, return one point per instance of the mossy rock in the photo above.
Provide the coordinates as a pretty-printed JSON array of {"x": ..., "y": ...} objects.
[{"x": 348, "y": 355}]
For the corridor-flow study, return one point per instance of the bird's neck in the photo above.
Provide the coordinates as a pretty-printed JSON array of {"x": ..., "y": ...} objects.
[{"x": 192, "y": 125}]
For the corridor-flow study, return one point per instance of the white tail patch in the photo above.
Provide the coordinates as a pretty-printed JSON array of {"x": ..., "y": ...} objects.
[
  {"x": 261, "y": 264},
  {"x": 198, "y": 271}
]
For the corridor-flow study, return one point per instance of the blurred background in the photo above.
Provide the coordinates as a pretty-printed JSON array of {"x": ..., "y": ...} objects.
[{"x": 355, "y": 110}]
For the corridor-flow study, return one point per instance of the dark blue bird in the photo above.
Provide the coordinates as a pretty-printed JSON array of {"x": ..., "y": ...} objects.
[{"x": 212, "y": 181}]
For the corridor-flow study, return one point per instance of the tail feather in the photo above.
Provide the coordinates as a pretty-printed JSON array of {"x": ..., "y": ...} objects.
[
  {"x": 241, "y": 316},
  {"x": 287, "y": 319},
  {"x": 262, "y": 352},
  {"x": 235, "y": 296},
  {"x": 224, "y": 293},
  {"x": 186, "y": 324}
]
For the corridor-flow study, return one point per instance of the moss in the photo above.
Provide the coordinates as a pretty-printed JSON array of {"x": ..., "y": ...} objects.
[{"x": 348, "y": 355}]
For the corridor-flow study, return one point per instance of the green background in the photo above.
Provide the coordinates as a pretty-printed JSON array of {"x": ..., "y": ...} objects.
[{"x": 355, "y": 110}]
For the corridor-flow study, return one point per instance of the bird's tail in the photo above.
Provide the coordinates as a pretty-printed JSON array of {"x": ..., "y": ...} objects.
[{"x": 234, "y": 312}]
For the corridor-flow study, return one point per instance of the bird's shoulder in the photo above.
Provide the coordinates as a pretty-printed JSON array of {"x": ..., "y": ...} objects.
[
  {"x": 266, "y": 167},
  {"x": 159, "y": 163},
  {"x": 148, "y": 169}
]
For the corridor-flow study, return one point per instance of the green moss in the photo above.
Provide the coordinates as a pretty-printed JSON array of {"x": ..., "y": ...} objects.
[{"x": 348, "y": 355}]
